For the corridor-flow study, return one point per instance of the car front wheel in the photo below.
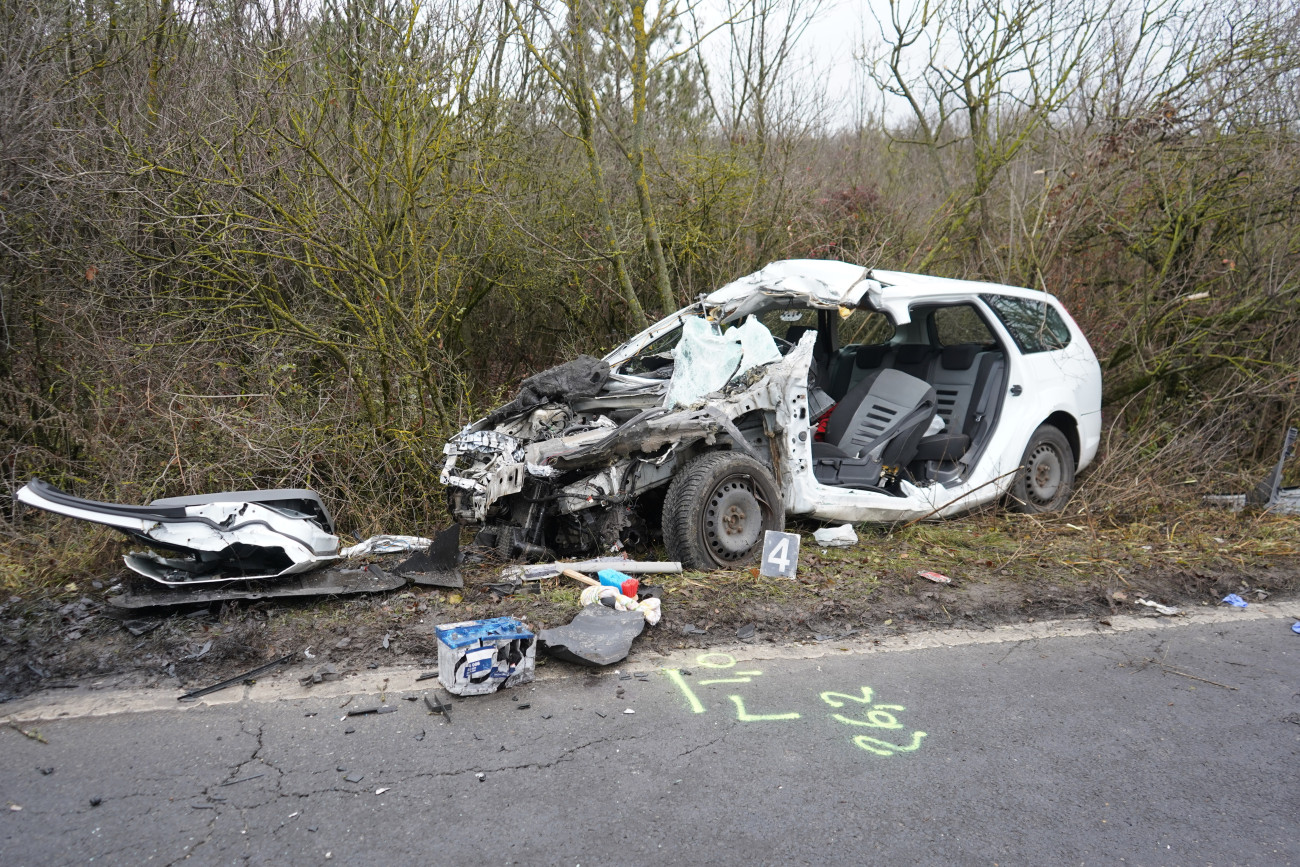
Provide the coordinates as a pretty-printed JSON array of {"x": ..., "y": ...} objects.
[
  {"x": 1046, "y": 478},
  {"x": 717, "y": 509}
]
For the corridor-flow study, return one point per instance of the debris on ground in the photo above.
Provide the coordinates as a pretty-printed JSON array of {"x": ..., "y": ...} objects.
[
  {"x": 30, "y": 734},
  {"x": 596, "y": 636},
  {"x": 386, "y": 544},
  {"x": 648, "y": 607},
  {"x": 624, "y": 584},
  {"x": 1235, "y": 601},
  {"x": 936, "y": 577},
  {"x": 435, "y": 705},
  {"x": 836, "y": 537},
  {"x": 245, "y": 545},
  {"x": 1164, "y": 610},
  {"x": 338, "y": 581},
  {"x": 1268, "y": 495},
  {"x": 237, "y": 535},
  {"x": 437, "y": 567},
  {"x": 476, "y": 657},
  {"x": 747, "y": 632},
  {"x": 510, "y": 588},
  {"x": 629, "y": 567},
  {"x": 239, "y": 678}
]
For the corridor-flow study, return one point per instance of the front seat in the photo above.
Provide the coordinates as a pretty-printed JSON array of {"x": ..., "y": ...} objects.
[{"x": 878, "y": 424}]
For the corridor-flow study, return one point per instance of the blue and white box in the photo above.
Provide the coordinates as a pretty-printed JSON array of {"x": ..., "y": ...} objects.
[{"x": 476, "y": 657}]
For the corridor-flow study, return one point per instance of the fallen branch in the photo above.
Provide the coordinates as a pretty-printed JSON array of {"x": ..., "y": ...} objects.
[{"x": 1194, "y": 677}]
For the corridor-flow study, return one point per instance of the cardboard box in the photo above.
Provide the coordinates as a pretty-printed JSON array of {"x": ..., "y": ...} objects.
[{"x": 476, "y": 657}]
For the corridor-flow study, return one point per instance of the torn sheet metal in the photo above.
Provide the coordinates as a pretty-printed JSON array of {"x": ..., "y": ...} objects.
[
  {"x": 241, "y": 534},
  {"x": 597, "y": 636},
  {"x": 437, "y": 567},
  {"x": 384, "y": 544},
  {"x": 324, "y": 582},
  {"x": 818, "y": 282}
]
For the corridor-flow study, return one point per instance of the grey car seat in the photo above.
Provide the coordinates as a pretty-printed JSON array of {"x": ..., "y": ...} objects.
[{"x": 878, "y": 424}]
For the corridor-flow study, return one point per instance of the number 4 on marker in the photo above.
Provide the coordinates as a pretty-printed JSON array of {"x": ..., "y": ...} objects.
[{"x": 779, "y": 556}]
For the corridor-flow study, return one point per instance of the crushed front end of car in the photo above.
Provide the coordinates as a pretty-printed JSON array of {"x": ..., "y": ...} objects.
[{"x": 584, "y": 458}]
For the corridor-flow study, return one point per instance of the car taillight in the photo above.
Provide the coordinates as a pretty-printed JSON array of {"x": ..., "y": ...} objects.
[{"x": 820, "y": 434}]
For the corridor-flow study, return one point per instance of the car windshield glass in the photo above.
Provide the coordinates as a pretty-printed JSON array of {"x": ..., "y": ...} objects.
[
  {"x": 1035, "y": 325},
  {"x": 656, "y": 356}
]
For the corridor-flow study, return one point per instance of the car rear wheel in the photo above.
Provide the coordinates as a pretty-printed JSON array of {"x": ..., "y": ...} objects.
[
  {"x": 1046, "y": 479},
  {"x": 717, "y": 509}
]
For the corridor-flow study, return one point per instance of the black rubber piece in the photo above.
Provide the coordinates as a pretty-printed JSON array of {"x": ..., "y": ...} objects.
[
  {"x": 717, "y": 509},
  {"x": 1046, "y": 480}
]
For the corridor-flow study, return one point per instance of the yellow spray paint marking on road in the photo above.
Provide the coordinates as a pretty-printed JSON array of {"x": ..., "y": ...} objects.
[
  {"x": 757, "y": 717},
  {"x": 868, "y": 713}
]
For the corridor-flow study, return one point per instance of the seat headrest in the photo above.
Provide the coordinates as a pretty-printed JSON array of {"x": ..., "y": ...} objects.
[
  {"x": 911, "y": 353},
  {"x": 871, "y": 355},
  {"x": 959, "y": 357},
  {"x": 794, "y": 332}
]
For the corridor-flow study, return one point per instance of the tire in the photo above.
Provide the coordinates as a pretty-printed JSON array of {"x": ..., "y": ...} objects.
[
  {"x": 717, "y": 509},
  {"x": 1046, "y": 480}
]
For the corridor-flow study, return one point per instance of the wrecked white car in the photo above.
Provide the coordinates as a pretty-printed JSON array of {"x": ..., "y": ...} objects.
[{"x": 810, "y": 388}]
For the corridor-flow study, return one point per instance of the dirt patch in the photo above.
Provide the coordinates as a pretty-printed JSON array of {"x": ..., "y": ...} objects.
[{"x": 1004, "y": 569}]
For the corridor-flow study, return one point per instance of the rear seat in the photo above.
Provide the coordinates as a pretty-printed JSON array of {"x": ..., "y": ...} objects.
[{"x": 962, "y": 377}]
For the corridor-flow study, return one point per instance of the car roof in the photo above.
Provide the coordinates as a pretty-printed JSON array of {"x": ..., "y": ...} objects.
[
  {"x": 897, "y": 291},
  {"x": 820, "y": 282},
  {"x": 829, "y": 284}
]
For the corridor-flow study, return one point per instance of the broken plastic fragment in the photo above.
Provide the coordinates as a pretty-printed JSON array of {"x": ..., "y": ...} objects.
[
  {"x": 836, "y": 537},
  {"x": 1235, "y": 601},
  {"x": 596, "y": 636},
  {"x": 936, "y": 577},
  {"x": 1166, "y": 610}
]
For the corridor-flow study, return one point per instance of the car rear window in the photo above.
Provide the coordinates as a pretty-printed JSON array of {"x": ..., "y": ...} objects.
[{"x": 1035, "y": 325}]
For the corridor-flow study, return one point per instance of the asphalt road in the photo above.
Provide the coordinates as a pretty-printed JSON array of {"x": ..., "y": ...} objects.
[{"x": 1161, "y": 745}]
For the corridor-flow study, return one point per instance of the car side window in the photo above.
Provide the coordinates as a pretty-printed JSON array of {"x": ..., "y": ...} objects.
[
  {"x": 1035, "y": 325},
  {"x": 961, "y": 324},
  {"x": 865, "y": 326}
]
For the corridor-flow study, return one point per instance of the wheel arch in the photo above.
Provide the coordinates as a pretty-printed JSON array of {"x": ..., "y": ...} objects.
[{"x": 1068, "y": 425}]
